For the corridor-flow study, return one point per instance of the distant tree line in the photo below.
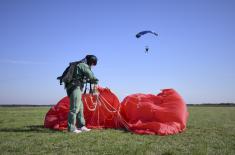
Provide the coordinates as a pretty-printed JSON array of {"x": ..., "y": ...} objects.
[
  {"x": 24, "y": 105},
  {"x": 214, "y": 104},
  {"x": 42, "y": 105}
]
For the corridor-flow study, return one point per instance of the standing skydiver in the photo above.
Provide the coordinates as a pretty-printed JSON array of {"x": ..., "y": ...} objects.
[{"x": 74, "y": 88}]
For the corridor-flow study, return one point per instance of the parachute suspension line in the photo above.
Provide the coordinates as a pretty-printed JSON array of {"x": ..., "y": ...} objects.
[
  {"x": 93, "y": 118},
  {"x": 101, "y": 101},
  {"x": 105, "y": 101},
  {"x": 85, "y": 88},
  {"x": 112, "y": 116},
  {"x": 119, "y": 115},
  {"x": 90, "y": 91},
  {"x": 91, "y": 98},
  {"x": 114, "y": 111},
  {"x": 108, "y": 103},
  {"x": 97, "y": 110},
  {"x": 122, "y": 120},
  {"x": 108, "y": 116},
  {"x": 138, "y": 105},
  {"x": 94, "y": 113},
  {"x": 98, "y": 120},
  {"x": 90, "y": 109}
]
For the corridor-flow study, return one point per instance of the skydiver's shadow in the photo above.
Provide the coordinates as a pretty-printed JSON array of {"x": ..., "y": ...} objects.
[{"x": 31, "y": 128}]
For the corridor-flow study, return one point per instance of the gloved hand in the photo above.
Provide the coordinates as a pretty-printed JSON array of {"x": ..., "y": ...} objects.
[{"x": 95, "y": 90}]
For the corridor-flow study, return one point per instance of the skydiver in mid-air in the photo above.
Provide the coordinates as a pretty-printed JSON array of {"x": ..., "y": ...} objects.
[
  {"x": 146, "y": 49},
  {"x": 138, "y": 35}
]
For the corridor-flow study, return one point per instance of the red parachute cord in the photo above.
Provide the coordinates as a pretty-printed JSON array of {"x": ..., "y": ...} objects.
[
  {"x": 90, "y": 109},
  {"x": 119, "y": 115},
  {"x": 101, "y": 97},
  {"x": 107, "y": 109},
  {"x": 123, "y": 121},
  {"x": 112, "y": 116},
  {"x": 98, "y": 120},
  {"x": 95, "y": 109}
]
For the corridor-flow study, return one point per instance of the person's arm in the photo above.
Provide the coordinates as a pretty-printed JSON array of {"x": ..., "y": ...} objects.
[{"x": 88, "y": 73}]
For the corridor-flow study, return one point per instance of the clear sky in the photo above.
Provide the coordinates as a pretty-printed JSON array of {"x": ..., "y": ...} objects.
[{"x": 194, "y": 52}]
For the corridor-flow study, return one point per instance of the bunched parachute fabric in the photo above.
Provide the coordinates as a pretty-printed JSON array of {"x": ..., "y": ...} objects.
[
  {"x": 99, "y": 112},
  {"x": 162, "y": 114},
  {"x": 56, "y": 118}
]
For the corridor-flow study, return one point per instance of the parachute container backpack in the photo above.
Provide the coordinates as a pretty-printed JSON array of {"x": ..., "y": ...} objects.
[{"x": 67, "y": 75}]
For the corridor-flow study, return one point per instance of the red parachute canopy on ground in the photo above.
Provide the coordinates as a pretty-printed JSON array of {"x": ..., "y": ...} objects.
[
  {"x": 162, "y": 114},
  {"x": 101, "y": 113}
]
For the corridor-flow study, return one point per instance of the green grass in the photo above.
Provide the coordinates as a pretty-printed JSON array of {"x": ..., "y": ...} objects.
[{"x": 210, "y": 130}]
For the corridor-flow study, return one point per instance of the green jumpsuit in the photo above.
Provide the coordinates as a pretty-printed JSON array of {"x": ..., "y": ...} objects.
[{"x": 75, "y": 94}]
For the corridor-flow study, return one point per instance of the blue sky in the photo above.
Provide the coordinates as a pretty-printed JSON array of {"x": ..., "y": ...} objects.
[{"x": 194, "y": 52}]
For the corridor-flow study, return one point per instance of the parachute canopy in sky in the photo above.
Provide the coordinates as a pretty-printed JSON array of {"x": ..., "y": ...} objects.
[{"x": 138, "y": 35}]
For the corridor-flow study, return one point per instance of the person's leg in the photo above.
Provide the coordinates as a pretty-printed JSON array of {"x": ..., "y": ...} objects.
[
  {"x": 80, "y": 116},
  {"x": 73, "y": 110},
  {"x": 81, "y": 120}
]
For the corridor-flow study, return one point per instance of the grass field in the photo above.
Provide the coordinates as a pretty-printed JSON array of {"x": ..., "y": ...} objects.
[{"x": 210, "y": 130}]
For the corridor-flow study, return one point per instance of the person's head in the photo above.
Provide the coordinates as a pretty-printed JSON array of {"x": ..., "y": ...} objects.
[{"x": 91, "y": 60}]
